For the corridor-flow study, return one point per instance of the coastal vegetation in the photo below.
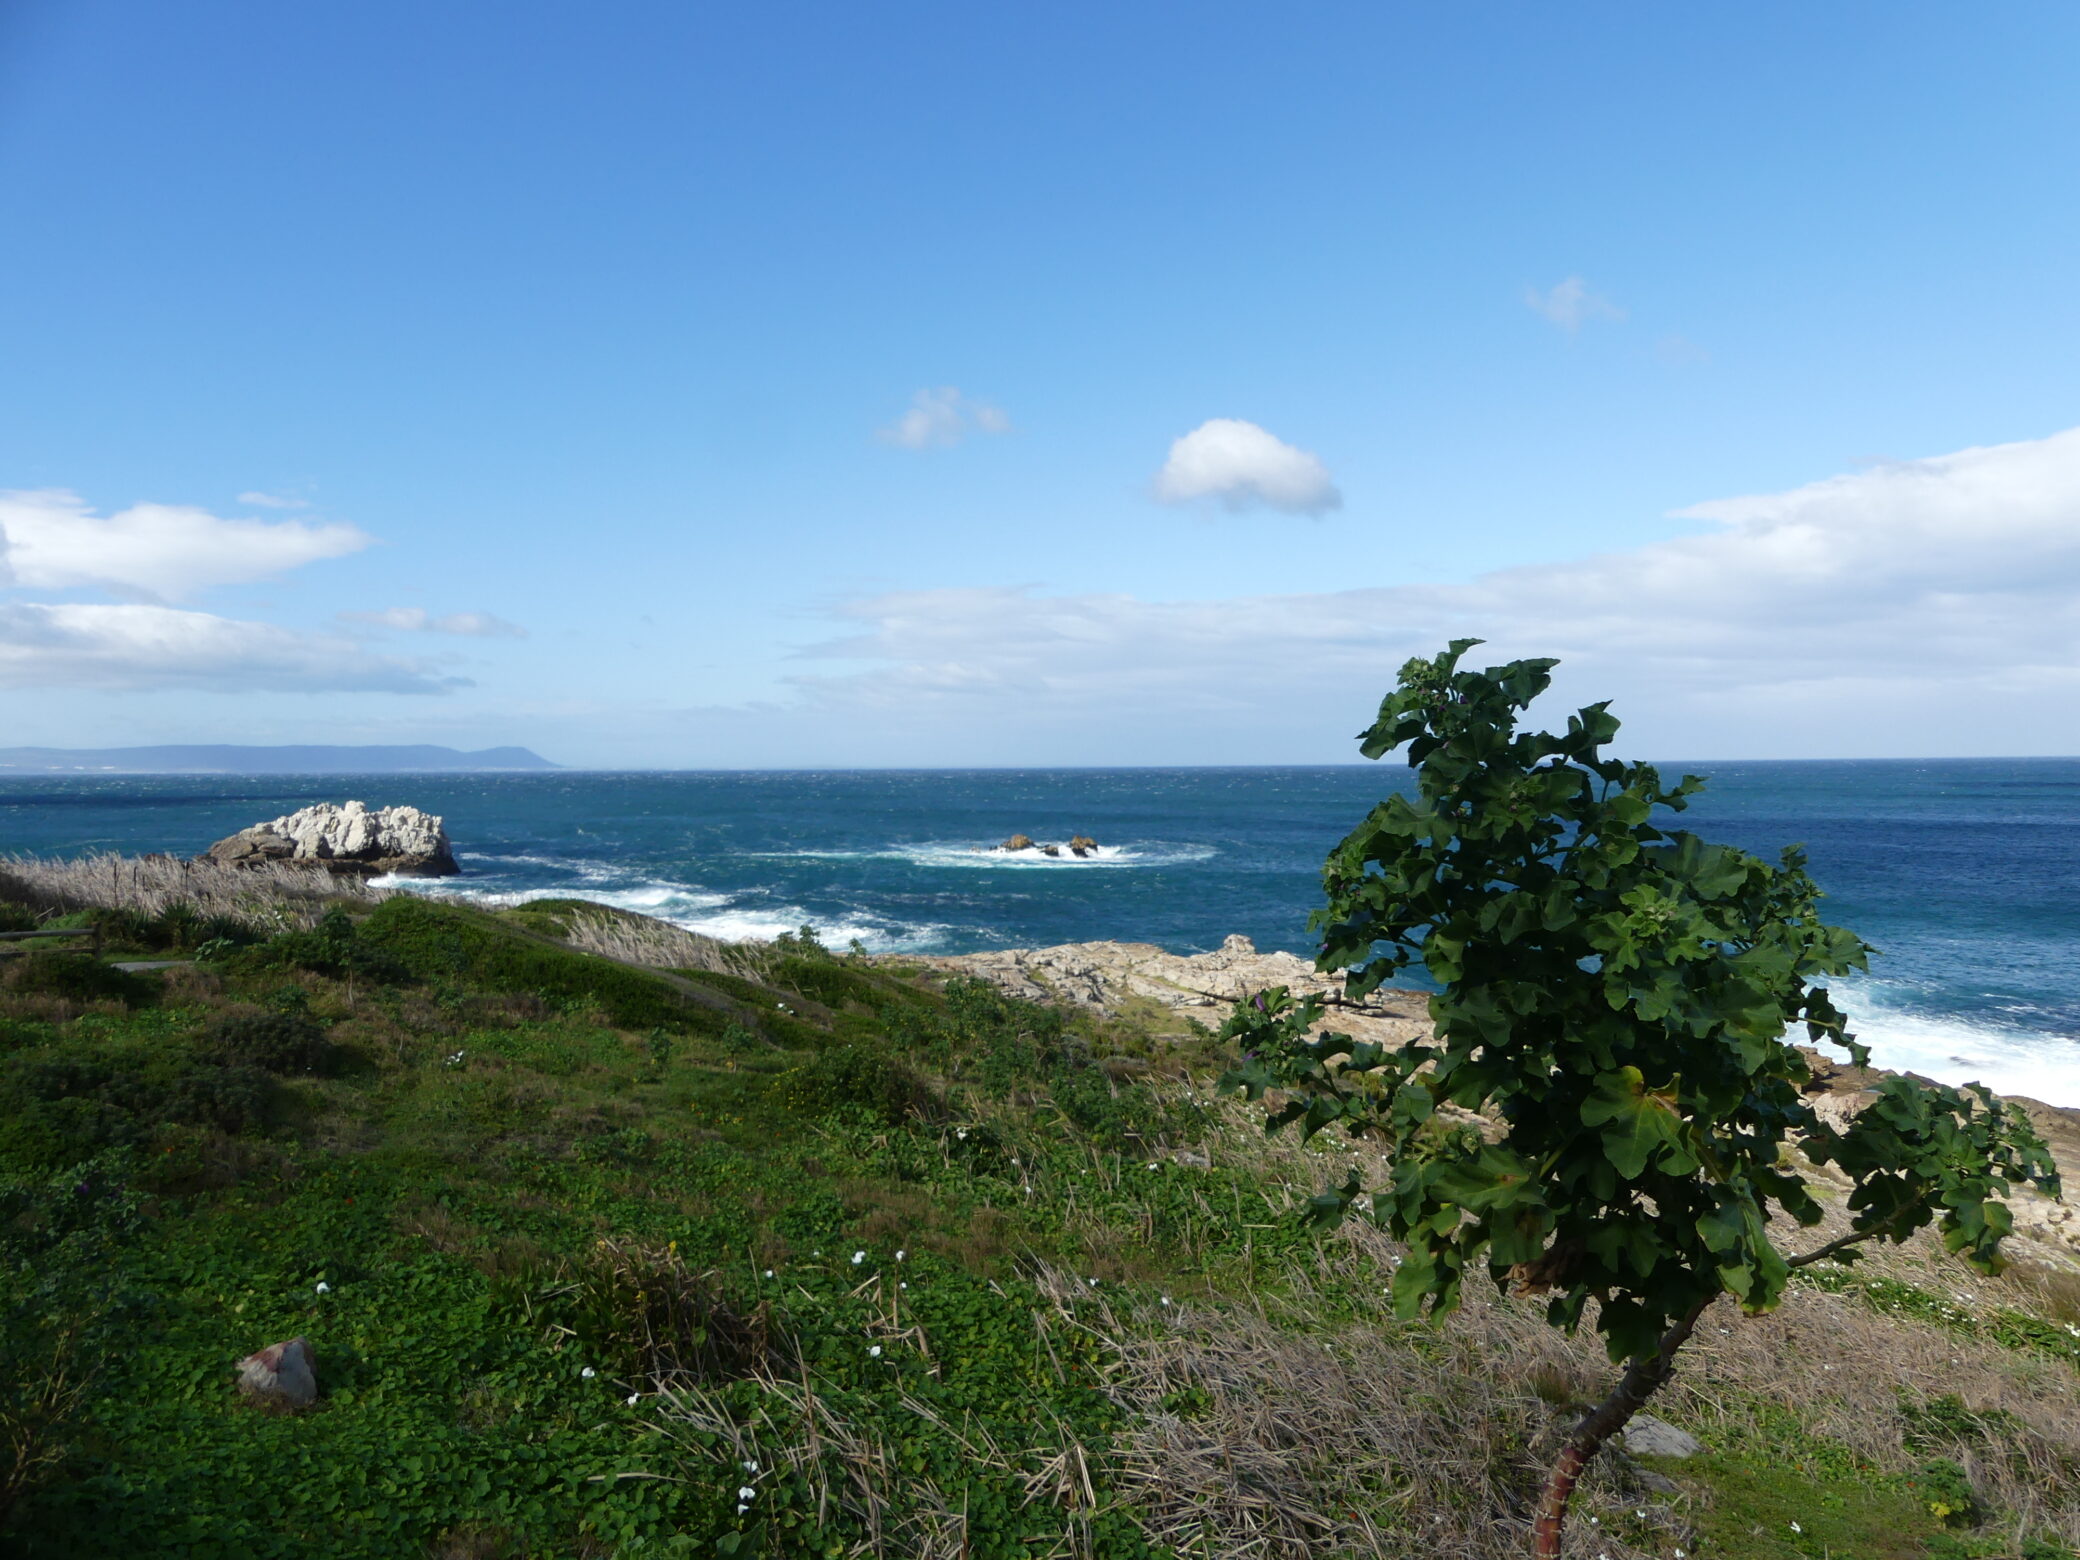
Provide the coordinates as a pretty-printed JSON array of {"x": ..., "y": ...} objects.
[
  {"x": 612, "y": 1240},
  {"x": 1612, "y": 1024}
]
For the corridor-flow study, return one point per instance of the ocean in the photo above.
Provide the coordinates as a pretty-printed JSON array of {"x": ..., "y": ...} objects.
[{"x": 1964, "y": 872}]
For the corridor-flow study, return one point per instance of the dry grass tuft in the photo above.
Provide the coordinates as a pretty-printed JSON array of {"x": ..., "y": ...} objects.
[
  {"x": 1260, "y": 1431},
  {"x": 660, "y": 945},
  {"x": 270, "y": 897}
]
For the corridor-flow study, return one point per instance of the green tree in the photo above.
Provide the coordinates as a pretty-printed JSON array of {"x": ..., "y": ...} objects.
[{"x": 1616, "y": 1001}]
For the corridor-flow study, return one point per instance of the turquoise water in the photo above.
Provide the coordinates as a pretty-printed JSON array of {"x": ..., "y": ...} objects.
[{"x": 1966, "y": 873}]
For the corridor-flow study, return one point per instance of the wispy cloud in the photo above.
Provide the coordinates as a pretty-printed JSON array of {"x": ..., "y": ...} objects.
[
  {"x": 52, "y": 540},
  {"x": 134, "y": 647},
  {"x": 272, "y": 501},
  {"x": 1570, "y": 304},
  {"x": 1921, "y": 606},
  {"x": 473, "y": 625},
  {"x": 1245, "y": 467},
  {"x": 943, "y": 417}
]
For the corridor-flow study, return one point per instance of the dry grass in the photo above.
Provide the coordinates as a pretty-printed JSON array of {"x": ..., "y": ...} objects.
[
  {"x": 854, "y": 1471},
  {"x": 1262, "y": 1432},
  {"x": 270, "y": 897},
  {"x": 660, "y": 945}
]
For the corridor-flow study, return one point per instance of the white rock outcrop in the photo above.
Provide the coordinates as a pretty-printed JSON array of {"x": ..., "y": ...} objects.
[{"x": 349, "y": 837}]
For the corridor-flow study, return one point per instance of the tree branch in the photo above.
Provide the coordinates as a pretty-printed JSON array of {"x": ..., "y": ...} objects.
[{"x": 1821, "y": 1253}]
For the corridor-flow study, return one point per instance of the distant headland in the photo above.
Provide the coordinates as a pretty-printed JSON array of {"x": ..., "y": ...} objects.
[{"x": 229, "y": 760}]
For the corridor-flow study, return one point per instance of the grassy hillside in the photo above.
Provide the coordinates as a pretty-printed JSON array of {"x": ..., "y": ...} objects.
[{"x": 586, "y": 1251}]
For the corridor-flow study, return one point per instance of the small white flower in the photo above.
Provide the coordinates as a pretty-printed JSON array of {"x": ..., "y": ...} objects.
[
  {"x": 1151, "y": 1164},
  {"x": 750, "y": 1466},
  {"x": 588, "y": 1373},
  {"x": 769, "y": 1272},
  {"x": 742, "y": 1508},
  {"x": 746, "y": 1492},
  {"x": 902, "y": 1286},
  {"x": 634, "y": 1398},
  {"x": 1796, "y": 1528},
  {"x": 901, "y": 1255},
  {"x": 1166, "y": 1299},
  {"x": 962, "y": 1134},
  {"x": 323, "y": 1287},
  {"x": 858, "y": 1257},
  {"x": 875, "y": 1352}
]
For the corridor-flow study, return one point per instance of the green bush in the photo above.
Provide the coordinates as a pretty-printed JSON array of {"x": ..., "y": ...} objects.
[
  {"x": 335, "y": 947},
  {"x": 179, "y": 928},
  {"x": 61, "y": 1107},
  {"x": 858, "y": 1076},
  {"x": 79, "y": 976},
  {"x": 276, "y": 1042},
  {"x": 454, "y": 944}
]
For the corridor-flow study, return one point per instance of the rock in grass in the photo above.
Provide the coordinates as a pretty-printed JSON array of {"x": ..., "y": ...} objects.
[
  {"x": 280, "y": 1377},
  {"x": 1647, "y": 1436}
]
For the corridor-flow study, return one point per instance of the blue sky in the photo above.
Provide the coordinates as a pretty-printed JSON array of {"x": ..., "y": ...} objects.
[{"x": 539, "y": 374}]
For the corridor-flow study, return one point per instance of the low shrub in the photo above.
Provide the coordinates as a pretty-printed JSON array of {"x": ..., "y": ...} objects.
[
  {"x": 77, "y": 977},
  {"x": 277, "y": 1042},
  {"x": 61, "y": 1107},
  {"x": 450, "y": 944},
  {"x": 645, "y": 1315},
  {"x": 862, "y": 1077},
  {"x": 335, "y": 947}
]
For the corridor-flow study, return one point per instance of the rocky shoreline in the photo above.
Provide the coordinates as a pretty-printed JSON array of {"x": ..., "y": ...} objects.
[{"x": 1110, "y": 978}]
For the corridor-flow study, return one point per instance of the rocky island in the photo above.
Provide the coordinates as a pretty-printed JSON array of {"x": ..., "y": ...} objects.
[{"x": 349, "y": 839}]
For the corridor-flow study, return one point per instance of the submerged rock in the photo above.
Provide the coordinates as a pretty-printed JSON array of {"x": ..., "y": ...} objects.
[
  {"x": 280, "y": 1376},
  {"x": 349, "y": 839}
]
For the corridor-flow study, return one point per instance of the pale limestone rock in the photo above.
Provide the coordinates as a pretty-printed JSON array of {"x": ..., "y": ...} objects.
[
  {"x": 281, "y": 1377},
  {"x": 347, "y": 838},
  {"x": 1107, "y": 975}
]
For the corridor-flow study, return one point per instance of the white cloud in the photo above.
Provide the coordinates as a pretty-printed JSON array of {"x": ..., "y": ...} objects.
[
  {"x": 943, "y": 417},
  {"x": 273, "y": 501},
  {"x": 1570, "y": 303},
  {"x": 1920, "y": 607},
  {"x": 134, "y": 647},
  {"x": 51, "y": 540},
  {"x": 474, "y": 625},
  {"x": 1245, "y": 467}
]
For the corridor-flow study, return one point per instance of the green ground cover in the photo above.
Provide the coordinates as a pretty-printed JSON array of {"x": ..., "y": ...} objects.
[{"x": 585, "y": 1250}]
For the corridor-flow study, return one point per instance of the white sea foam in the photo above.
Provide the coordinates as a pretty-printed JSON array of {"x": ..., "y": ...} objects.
[
  {"x": 1953, "y": 1050},
  {"x": 693, "y": 908},
  {"x": 968, "y": 854}
]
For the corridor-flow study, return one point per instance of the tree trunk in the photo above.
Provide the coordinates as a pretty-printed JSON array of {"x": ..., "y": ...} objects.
[{"x": 1642, "y": 1379}]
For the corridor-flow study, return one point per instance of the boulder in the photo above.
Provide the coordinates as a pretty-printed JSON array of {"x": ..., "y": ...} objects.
[
  {"x": 1082, "y": 845},
  {"x": 1050, "y": 850},
  {"x": 1017, "y": 842},
  {"x": 1647, "y": 1436},
  {"x": 280, "y": 1377},
  {"x": 350, "y": 839}
]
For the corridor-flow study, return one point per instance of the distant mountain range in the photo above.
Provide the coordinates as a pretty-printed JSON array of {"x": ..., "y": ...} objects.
[{"x": 220, "y": 760}]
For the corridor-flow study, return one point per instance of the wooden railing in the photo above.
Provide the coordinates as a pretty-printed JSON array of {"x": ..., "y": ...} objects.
[{"x": 92, "y": 932}]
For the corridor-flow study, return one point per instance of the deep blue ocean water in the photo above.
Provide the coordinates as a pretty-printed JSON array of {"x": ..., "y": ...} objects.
[{"x": 1966, "y": 873}]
